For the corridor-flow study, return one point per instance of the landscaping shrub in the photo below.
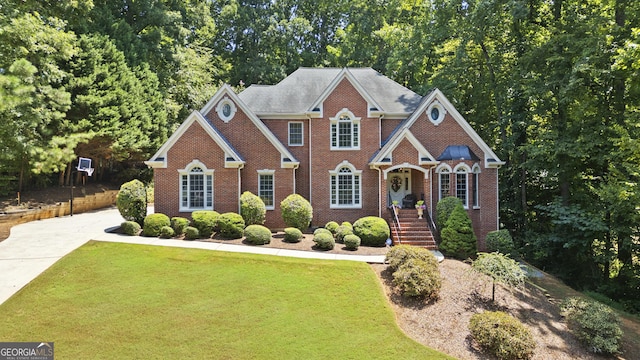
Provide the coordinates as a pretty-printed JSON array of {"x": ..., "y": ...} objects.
[
  {"x": 372, "y": 230},
  {"x": 206, "y": 221},
  {"x": 231, "y": 225},
  {"x": 351, "y": 242},
  {"x": 594, "y": 324},
  {"x": 252, "y": 209},
  {"x": 191, "y": 233},
  {"x": 296, "y": 211},
  {"x": 399, "y": 254},
  {"x": 166, "y": 232},
  {"x": 178, "y": 224},
  {"x": 342, "y": 231},
  {"x": 132, "y": 201},
  {"x": 444, "y": 208},
  {"x": 418, "y": 278},
  {"x": 292, "y": 235},
  {"x": 332, "y": 226},
  {"x": 257, "y": 234},
  {"x": 502, "y": 335},
  {"x": 321, "y": 230},
  {"x": 153, "y": 223},
  {"x": 458, "y": 239},
  {"x": 347, "y": 224},
  {"x": 130, "y": 228},
  {"x": 324, "y": 240},
  {"x": 500, "y": 241}
]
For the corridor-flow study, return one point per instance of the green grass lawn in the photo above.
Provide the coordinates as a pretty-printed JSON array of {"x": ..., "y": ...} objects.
[{"x": 108, "y": 301}]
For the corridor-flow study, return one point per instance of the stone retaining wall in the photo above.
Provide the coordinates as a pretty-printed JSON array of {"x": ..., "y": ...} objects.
[{"x": 80, "y": 205}]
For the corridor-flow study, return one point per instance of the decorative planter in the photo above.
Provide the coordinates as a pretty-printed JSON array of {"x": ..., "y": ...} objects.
[{"x": 420, "y": 212}]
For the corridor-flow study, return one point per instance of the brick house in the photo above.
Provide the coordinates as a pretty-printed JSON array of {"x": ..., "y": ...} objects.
[{"x": 351, "y": 141}]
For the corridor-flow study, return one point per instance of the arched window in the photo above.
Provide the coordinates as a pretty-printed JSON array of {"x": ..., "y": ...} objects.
[
  {"x": 345, "y": 131},
  {"x": 476, "y": 186},
  {"x": 444, "y": 181},
  {"x": 196, "y": 187},
  {"x": 346, "y": 187},
  {"x": 462, "y": 183}
]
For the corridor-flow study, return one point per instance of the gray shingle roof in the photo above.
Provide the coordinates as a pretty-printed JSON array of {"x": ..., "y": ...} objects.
[{"x": 297, "y": 92}]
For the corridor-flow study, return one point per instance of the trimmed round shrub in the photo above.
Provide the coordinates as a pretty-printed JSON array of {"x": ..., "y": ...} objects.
[
  {"x": 500, "y": 241},
  {"x": 332, "y": 226},
  {"x": 166, "y": 232},
  {"x": 458, "y": 239},
  {"x": 296, "y": 212},
  {"x": 324, "y": 240},
  {"x": 231, "y": 225},
  {"x": 351, "y": 242},
  {"x": 206, "y": 221},
  {"x": 372, "y": 230},
  {"x": 594, "y": 324},
  {"x": 399, "y": 254},
  {"x": 347, "y": 224},
  {"x": 322, "y": 230},
  {"x": 130, "y": 228},
  {"x": 444, "y": 208},
  {"x": 252, "y": 209},
  {"x": 154, "y": 222},
  {"x": 418, "y": 278},
  {"x": 178, "y": 224},
  {"x": 502, "y": 335},
  {"x": 257, "y": 234},
  {"x": 292, "y": 235},
  {"x": 191, "y": 233},
  {"x": 341, "y": 232},
  {"x": 132, "y": 201}
]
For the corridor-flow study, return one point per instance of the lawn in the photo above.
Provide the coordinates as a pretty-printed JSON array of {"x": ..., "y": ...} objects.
[{"x": 109, "y": 300}]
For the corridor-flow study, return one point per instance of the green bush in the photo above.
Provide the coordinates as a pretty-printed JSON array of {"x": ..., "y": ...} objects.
[
  {"x": 418, "y": 278},
  {"x": 347, "y": 224},
  {"x": 166, "y": 232},
  {"x": 191, "y": 233},
  {"x": 399, "y": 254},
  {"x": 257, "y": 234},
  {"x": 332, "y": 226},
  {"x": 296, "y": 211},
  {"x": 178, "y": 224},
  {"x": 500, "y": 241},
  {"x": 502, "y": 335},
  {"x": 351, "y": 242},
  {"x": 321, "y": 230},
  {"x": 372, "y": 230},
  {"x": 132, "y": 201},
  {"x": 153, "y": 223},
  {"x": 342, "y": 231},
  {"x": 594, "y": 324},
  {"x": 324, "y": 240},
  {"x": 292, "y": 235},
  {"x": 231, "y": 225},
  {"x": 458, "y": 239},
  {"x": 444, "y": 208},
  {"x": 252, "y": 209},
  {"x": 130, "y": 228},
  {"x": 206, "y": 221}
]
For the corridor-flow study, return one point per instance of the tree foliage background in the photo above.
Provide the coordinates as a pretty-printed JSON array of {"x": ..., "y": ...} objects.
[{"x": 553, "y": 86}]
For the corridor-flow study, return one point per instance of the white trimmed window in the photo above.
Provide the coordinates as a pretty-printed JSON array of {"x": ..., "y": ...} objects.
[
  {"x": 266, "y": 189},
  {"x": 476, "y": 187},
  {"x": 346, "y": 187},
  {"x": 345, "y": 131},
  {"x": 444, "y": 182},
  {"x": 226, "y": 109},
  {"x": 196, "y": 187},
  {"x": 296, "y": 135},
  {"x": 462, "y": 184}
]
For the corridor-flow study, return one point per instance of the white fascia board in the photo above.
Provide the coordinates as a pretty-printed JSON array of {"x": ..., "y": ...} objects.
[{"x": 345, "y": 73}]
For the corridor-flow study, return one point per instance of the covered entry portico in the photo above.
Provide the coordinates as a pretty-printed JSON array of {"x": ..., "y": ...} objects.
[{"x": 407, "y": 181}]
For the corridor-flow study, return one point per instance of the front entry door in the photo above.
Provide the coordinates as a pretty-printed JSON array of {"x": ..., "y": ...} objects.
[{"x": 398, "y": 185}]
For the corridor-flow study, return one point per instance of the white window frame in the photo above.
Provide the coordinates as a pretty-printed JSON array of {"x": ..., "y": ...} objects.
[
  {"x": 476, "y": 186},
  {"x": 462, "y": 179},
  {"x": 345, "y": 116},
  {"x": 441, "y": 112},
  {"x": 220, "y": 109},
  {"x": 345, "y": 169},
  {"x": 443, "y": 170},
  {"x": 185, "y": 179},
  {"x": 261, "y": 174},
  {"x": 301, "y": 133}
]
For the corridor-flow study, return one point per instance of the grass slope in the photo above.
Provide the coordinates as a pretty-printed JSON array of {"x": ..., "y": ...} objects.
[{"x": 109, "y": 301}]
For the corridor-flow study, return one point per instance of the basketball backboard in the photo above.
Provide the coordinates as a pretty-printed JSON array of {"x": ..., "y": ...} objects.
[{"x": 84, "y": 164}]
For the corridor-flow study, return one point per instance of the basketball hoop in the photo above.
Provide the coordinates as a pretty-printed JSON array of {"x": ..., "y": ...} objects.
[{"x": 84, "y": 164}]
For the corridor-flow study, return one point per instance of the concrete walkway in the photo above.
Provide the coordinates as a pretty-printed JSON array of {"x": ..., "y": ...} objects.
[{"x": 33, "y": 247}]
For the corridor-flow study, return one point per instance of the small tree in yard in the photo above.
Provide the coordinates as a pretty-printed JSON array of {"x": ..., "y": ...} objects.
[
  {"x": 444, "y": 208},
  {"x": 132, "y": 201},
  {"x": 501, "y": 269},
  {"x": 296, "y": 211},
  {"x": 252, "y": 209},
  {"x": 458, "y": 239}
]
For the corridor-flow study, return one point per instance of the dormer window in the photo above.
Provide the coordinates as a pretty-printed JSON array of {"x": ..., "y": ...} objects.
[{"x": 345, "y": 131}]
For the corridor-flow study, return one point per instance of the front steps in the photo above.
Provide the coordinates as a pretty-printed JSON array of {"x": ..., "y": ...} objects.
[{"x": 413, "y": 231}]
